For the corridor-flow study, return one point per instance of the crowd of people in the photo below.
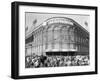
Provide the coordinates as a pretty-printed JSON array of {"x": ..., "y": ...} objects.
[{"x": 36, "y": 61}]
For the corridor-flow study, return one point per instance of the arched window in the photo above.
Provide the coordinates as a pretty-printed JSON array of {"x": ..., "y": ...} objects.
[
  {"x": 44, "y": 34},
  {"x": 65, "y": 37},
  {"x": 50, "y": 34},
  {"x": 49, "y": 37},
  {"x": 72, "y": 38},
  {"x": 56, "y": 38}
]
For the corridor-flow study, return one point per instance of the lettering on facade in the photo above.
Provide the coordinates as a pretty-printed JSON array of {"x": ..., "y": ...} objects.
[{"x": 59, "y": 20}]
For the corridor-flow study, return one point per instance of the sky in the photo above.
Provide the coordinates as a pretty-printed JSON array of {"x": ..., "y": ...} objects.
[{"x": 41, "y": 17}]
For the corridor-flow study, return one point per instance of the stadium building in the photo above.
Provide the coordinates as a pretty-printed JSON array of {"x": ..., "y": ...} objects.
[{"x": 57, "y": 36}]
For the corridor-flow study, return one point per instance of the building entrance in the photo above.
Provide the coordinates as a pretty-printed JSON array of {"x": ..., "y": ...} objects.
[{"x": 60, "y": 53}]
